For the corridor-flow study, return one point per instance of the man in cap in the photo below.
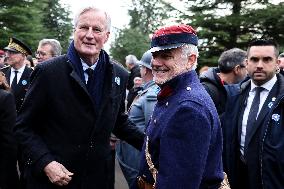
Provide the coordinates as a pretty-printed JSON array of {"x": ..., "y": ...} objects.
[
  {"x": 140, "y": 112},
  {"x": 17, "y": 73},
  {"x": 183, "y": 144},
  {"x": 47, "y": 49},
  {"x": 74, "y": 103}
]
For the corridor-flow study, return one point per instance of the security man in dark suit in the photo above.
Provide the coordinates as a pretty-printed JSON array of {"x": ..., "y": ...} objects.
[
  {"x": 17, "y": 73},
  {"x": 252, "y": 125}
]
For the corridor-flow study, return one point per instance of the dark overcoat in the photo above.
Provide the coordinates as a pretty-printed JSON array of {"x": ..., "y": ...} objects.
[
  {"x": 185, "y": 137},
  {"x": 58, "y": 121},
  {"x": 9, "y": 178},
  {"x": 264, "y": 145},
  {"x": 215, "y": 88},
  {"x": 22, "y": 85}
]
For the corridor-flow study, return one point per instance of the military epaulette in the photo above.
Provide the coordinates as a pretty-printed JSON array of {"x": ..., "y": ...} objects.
[{"x": 5, "y": 67}]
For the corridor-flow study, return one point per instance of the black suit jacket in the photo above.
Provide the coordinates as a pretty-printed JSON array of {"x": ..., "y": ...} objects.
[
  {"x": 8, "y": 148},
  {"x": 232, "y": 125},
  {"x": 22, "y": 85},
  {"x": 58, "y": 121}
]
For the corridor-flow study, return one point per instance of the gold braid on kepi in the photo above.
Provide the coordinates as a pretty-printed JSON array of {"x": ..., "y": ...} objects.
[{"x": 16, "y": 45}]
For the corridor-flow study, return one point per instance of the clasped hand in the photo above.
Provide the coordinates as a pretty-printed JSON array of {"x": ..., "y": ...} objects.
[{"x": 57, "y": 173}]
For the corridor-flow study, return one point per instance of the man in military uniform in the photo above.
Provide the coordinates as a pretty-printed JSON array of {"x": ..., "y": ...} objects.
[
  {"x": 183, "y": 144},
  {"x": 17, "y": 73}
]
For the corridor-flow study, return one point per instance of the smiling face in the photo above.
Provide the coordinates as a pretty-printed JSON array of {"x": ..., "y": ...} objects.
[
  {"x": 262, "y": 63},
  {"x": 169, "y": 63},
  {"x": 90, "y": 35}
]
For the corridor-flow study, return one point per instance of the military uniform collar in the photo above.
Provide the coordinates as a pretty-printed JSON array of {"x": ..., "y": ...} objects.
[{"x": 184, "y": 79}]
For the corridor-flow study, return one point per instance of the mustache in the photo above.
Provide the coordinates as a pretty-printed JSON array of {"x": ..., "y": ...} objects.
[
  {"x": 159, "y": 69},
  {"x": 258, "y": 71}
]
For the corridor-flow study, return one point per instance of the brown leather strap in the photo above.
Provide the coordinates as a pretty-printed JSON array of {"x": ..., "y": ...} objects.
[{"x": 142, "y": 184}]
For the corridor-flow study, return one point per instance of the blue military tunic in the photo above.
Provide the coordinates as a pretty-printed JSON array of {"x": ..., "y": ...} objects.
[{"x": 185, "y": 139}]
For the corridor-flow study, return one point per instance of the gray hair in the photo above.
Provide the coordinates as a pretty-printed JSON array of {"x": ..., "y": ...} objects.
[
  {"x": 281, "y": 55},
  {"x": 131, "y": 59},
  {"x": 90, "y": 8},
  {"x": 230, "y": 59},
  {"x": 188, "y": 49},
  {"x": 55, "y": 46}
]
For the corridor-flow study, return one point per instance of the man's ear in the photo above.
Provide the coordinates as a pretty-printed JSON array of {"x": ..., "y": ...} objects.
[
  {"x": 107, "y": 37},
  {"x": 237, "y": 69},
  {"x": 246, "y": 63},
  {"x": 191, "y": 59}
]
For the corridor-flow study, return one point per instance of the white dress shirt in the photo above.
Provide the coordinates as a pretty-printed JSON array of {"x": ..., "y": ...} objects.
[
  {"x": 263, "y": 95},
  {"x": 86, "y": 66},
  {"x": 19, "y": 74}
]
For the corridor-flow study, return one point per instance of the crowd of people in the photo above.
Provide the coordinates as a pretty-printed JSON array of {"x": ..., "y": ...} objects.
[{"x": 64, "y": 118}]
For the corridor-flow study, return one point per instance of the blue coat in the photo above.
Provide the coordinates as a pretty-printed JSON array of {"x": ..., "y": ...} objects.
[
  {"x": 265, "y": 149},
  {"x": 185, "y": 139}
]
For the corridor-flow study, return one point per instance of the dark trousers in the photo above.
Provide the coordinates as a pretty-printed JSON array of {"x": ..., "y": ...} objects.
[{"x": 242, "y": 179}]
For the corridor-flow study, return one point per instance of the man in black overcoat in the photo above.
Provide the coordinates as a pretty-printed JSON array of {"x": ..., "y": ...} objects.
[{"x": 73, "y": 104}]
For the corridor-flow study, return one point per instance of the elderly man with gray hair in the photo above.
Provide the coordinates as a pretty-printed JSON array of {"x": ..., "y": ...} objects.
[
  {"x": 183, "y": 143},
  {"x": 47, "y": 49},
  {"x": 231, "y": 70},
  {"x": 131, "y": 63},
  {"x": 74, "y": 103}
]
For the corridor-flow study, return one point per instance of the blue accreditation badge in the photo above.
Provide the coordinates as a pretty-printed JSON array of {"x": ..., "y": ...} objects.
[{"x": 24, "y": 82}]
